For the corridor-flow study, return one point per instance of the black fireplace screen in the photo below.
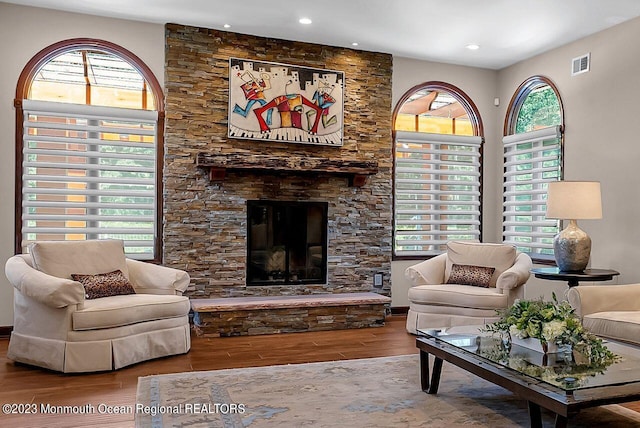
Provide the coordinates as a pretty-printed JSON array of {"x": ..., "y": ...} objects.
[{"x": 286, "y": 242}]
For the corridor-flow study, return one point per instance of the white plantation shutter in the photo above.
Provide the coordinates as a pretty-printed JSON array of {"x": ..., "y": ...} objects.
[
  {"x": 436, "y": 191},
  {"x": 89, "y": 172},
  {"x": 531, "y": 161}
]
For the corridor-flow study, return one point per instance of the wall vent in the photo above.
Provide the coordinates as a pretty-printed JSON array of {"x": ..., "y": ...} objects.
[{"x": 580, "y": 64}]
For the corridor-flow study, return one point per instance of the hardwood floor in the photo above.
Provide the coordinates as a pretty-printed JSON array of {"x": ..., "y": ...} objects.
[
  {"x": 26, "y": 384},
  {"x": 23, "y": 384}
]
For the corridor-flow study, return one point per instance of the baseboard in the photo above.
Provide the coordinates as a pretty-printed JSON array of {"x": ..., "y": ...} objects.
[
  {"x": 399, "y": 310},
  {"x": 5, "y": 331}
]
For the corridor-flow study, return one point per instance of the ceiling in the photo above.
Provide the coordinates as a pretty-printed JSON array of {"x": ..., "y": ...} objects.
[{"x": 507, "y": 31}]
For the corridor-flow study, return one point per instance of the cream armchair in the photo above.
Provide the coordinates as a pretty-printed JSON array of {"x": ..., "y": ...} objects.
[
  {"x": 57, "y": 327},
  {"x": 611, "y": 311},
  {"x": 439, "y": 299}
]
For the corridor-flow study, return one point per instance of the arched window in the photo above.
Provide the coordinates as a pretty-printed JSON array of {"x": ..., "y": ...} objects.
[
  {"x": 90, "y": 116},
  {"x": 532, "y": 158},
  {"x": 437, "y": 170}
]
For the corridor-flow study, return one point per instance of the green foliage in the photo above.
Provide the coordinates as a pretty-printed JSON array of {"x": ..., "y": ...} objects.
[
  {"x": 540, "y": 109},
  {"x": 552, "y": 322}
]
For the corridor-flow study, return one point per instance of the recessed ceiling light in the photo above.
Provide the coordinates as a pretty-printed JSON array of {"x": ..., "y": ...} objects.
[
  {"x": 473, "y": 47},
  {"x": 354, "y": 44},
  {"x": 227, "y": 25},
  {"x": 305, "y": 21}
]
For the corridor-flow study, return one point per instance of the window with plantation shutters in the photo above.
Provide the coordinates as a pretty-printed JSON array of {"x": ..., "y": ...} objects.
[
  {"x": 531, "y": 161},
  {"x": 89, "y": 172},
  {"x": 436, "y": 191},
  {"x": 89, "y": 145},
  {"x": 437, "y": 170}
]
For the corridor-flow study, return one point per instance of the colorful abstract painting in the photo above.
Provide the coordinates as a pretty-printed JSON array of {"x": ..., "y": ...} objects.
[{"x": 278, "y": 102}]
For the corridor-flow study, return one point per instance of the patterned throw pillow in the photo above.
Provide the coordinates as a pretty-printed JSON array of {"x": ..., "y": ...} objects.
[
  {"x": 478, "y": 276},
  {"x": 104, "y": 284}
]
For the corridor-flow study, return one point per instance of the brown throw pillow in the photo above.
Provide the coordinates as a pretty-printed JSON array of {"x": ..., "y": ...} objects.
[
  {"x": 104, "y": 284},
  {"x": 478, "y": 276}
]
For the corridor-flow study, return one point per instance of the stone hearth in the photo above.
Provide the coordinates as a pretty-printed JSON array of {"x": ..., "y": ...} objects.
[{"x": 246, "y": 316}]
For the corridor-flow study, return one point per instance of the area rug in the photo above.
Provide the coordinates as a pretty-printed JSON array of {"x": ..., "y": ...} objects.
[{"x": 376, "y": 392}]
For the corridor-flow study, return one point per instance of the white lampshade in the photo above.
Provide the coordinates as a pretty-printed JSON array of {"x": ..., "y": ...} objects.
[{"x": 574, "y": 200}]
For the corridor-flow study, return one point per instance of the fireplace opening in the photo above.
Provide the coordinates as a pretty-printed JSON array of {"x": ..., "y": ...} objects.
[{"x": 286, "y": 242}]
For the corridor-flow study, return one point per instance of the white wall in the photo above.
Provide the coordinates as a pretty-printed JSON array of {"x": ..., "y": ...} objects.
[
  {"x": 601, "y": 109},
  {"x": 24, "y": 31},
  {"x": 601, "y": 138},
  {"x": 481, "y": 86}
]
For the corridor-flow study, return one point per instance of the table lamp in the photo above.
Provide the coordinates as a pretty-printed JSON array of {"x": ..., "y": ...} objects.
[{"x": 573, "y": 200}]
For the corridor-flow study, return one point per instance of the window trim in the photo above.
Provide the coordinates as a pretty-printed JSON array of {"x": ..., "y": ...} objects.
[
  {"x": 510, "y": 121},
  {"x": 27, "y": 76},
  {"x": 521, "y": 94},
  {"x": 457, "y": 93},
  {"x": 478, "y": 131}
]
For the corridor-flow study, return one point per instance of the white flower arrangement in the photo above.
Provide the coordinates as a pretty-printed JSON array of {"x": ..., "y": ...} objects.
[
  {"x": 552, "y": 322},
  {"x": 554, "y": 329}
]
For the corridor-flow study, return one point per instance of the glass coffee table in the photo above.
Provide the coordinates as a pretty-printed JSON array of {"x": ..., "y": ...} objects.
[{"x": 552, "y": 381}]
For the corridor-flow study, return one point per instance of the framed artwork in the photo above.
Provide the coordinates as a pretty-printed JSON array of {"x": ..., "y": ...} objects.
[{"x": 279, "y": 102}]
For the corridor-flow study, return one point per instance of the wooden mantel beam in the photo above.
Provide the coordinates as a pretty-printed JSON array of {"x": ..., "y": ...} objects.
[{"x": 356, "y": 170}]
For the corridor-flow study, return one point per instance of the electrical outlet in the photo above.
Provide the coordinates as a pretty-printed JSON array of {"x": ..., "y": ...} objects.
[{"x": 377, "y": 280}]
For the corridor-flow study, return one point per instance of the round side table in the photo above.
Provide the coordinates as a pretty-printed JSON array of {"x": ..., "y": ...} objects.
[{"x": 573, "y": 278}]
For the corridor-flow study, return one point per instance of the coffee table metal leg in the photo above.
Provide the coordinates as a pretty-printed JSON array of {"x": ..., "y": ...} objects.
[
  {"x": 534, "y": 415},
  {"x": 430, "y": 387},
  {"x": 435, "y": 376},
  {"x": 424, "y": 370}
]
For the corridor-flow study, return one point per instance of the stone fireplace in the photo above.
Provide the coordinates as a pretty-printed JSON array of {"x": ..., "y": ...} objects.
[{"x": 210, "y": 179}]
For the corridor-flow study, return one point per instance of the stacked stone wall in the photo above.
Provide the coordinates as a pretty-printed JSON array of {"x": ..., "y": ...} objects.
[{"x": 205, "y": 221}]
